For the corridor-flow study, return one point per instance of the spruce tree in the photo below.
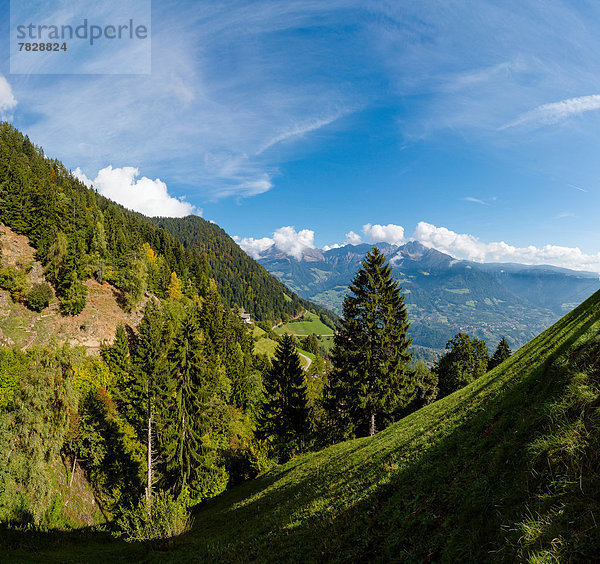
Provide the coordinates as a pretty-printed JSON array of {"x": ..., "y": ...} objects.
[
  {"x": 117, "y": 354},
  {"x": 285, "y": 413},
  {"x": 370, "y": 379},
  {"x": 502, "y": 353},
  {"x": 149, "y": 380},
  {"x": 184, "y": 443}
]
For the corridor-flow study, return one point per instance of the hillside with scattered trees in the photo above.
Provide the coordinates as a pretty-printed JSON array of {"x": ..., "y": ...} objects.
[{"x": 79, "y": 234}]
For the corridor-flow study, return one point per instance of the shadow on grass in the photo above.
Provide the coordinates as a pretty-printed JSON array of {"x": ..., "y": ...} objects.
[
  {"x": 446, "y": 483},
  {"x": 456, "y": 500}
]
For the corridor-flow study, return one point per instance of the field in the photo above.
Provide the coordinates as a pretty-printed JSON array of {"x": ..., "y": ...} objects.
[
  {"x": 309, "y": 323},
  {"x": 496, "y": 471},
  {"x": 264, "y": 345}
]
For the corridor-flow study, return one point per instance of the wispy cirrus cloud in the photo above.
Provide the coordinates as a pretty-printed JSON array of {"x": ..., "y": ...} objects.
[
  {"x": 578, "y": 188},
  {"x": 475, "y": 200},
  {"x": 555, "y": 112},
  {"x": 301, "y": 129},
  {"x": 223, "y": 83}
]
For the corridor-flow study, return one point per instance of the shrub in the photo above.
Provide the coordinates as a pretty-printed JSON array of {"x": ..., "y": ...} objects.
[
  {"x": 15, "y": 281},
  {"x": 168, "y": 517},
  {"x": 39, "y": 296}
]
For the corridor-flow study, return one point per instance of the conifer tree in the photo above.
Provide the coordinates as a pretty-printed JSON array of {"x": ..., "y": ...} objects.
[
  {"x": 211, "y": 317},
  {"x": 117, "y": 354},
  {"x": 502, "y": 353},
  {"x": 74, "y": 299},
  {"x": 149, "y": 379},
  {"x": 135, "y": 282},
  {"x": 184, "y": 429},
  {"x": 466, "y": 360},
  {"x": 370, "y": 377},
  {"x": 175, "y": 289},
  {"x": 285, "y": 413}
]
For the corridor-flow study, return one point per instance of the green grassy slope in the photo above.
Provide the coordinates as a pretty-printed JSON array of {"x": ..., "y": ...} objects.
[
  {"x": 309, "y": 323},
  {"x": 505, "y": 469}
]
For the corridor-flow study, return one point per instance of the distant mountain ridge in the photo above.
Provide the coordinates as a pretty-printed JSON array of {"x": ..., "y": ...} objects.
[{"x": 444, "y": 294}]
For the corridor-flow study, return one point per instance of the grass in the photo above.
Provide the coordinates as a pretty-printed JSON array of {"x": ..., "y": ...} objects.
[
  {"x": 267, "y": 346},
  {"x": 309, "y": 323},
  {"x": 257, "y": 331},
  {"x": 505, "y": 469},
  {"x": 326, "y": 343}
]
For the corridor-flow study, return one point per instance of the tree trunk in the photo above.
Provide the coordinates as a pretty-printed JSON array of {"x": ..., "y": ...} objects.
[
  {"x": 73, "y": 470},
  {"x": 372, "y": 428},
  {"x": 149, "y": 484}
]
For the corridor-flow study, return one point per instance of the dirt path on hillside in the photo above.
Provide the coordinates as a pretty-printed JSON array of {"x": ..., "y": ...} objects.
[
  {"x": 309, "y": 361},
  {"x": 290, "y": 319}
]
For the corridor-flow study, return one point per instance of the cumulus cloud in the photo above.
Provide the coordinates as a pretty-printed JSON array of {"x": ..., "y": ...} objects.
[
  {"x": 459, "y": 245},
  {"x": 143, "y": 195},
  {"x": 351, "y": 239},
  {"x": 463, "y": 245},
  {"x": 292, "y": 243},
  {"x": 548, "y": 114},
  {"x": 7, "y": 100},
  {"x": 393, "y": 234},
  {"x": 286, "y": 239},
  {"x": 254, "y": 247}
]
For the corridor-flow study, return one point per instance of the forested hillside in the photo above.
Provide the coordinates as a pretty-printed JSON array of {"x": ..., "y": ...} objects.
[
  {"x": 160, "y": 406},
  {"x": 240, "y": 279},
  {"x": 79, "y": 234}
]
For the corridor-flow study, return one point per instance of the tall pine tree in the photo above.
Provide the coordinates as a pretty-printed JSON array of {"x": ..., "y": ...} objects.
[
  {"x": 184, "y": 442},
  {"x": 502, "y": 353},
  {"x": 149, "y": 381},
  {"x": 285, "y": 413},
  {"x": 370, "y": 377}
]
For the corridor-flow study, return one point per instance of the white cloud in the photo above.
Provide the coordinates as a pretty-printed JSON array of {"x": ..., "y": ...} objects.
[
  {"x": 393, "y": 234},
  {"x": 286, "y": 239},
  {"x": 459, "y": 245},
  {"x": 300, "y": 129},
  {"x": 292, "y": 243},
  {"x": 143, "y": 195},
  {"x": 468, "y": 246},
  {"x": 578, "y": 188},
  {"x": 7, "y": 100},
  {"x": 557, "y": 111},
  {"x": 475, "y": 200},
  {"x": 351, "y": 239},
  {"x": 254, "y": 247}
]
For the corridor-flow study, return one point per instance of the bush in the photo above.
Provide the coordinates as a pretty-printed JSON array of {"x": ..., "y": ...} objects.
[
  {"x": 15, "y": 281},
  {"x": 168, "y": 517},
  {"x": 39, "y": 296}
]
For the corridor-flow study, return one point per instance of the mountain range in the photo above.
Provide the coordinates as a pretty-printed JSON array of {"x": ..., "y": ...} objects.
[{"x": 444, "y": 295}]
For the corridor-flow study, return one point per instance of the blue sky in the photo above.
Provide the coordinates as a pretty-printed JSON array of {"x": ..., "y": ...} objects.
[{"x": 471, "y": 126}]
